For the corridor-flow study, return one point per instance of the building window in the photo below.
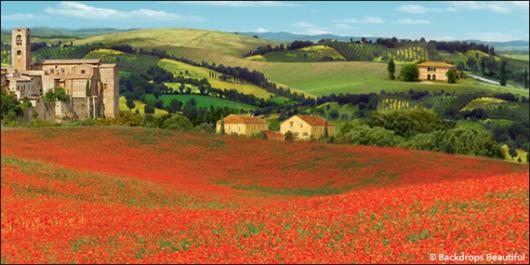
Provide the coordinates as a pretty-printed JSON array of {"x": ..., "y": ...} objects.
[
  {"x": 82, "y": 71},
  {"x": 291, "y": 123},
  {"x": 19, "y": 40},
  {"x": 19, "y": 52},
  {"x": 62, "y": 70},
  {"x": 51, "y": 70},
  {"x": 305, "y": 134}
]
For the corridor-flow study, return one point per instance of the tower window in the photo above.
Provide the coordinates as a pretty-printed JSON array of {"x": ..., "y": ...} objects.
[
  {"x": 19, "y": 40},
  {"x": 19, "y": 52}
]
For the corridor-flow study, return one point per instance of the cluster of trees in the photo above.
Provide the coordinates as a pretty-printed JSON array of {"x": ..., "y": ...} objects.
[
  {"x": 295, "y": 45},
  {"x": 364, "y": 101},
  {"x": 10, "y": 107},
  {"x": 462, "y": 46},
  {"x": 515, "y": 135},
  {"x": 58, "y": 93},
  {"x": 418, "y": 129}
]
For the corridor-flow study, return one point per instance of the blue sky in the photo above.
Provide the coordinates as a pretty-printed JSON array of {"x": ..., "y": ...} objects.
[{"x": 444, "y": 20}]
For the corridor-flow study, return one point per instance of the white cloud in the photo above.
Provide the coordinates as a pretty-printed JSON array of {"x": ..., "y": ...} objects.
[
  {"x": 364, "y": 20},
  {"x": 310, "y": 29},
  {"x": 235, "y": 3},
  {"x": 18, "y": 16},
  {"x": 413, "y": 9},
  {"x": 75, "y": 9},
  {"x": 503, "y": 7},
  {"x": 414, "y": 21},
  {"x": 419, "y": 9},
  {"x": 261, "y": 30}
]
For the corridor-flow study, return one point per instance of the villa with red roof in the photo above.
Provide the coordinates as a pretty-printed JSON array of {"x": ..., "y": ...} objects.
[
  {"x": 306, "y": 127},
  {"x": 432, "y": 70},
  {"x": 242, "y": 125}
]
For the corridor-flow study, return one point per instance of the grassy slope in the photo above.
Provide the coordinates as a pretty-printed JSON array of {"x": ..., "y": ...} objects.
[
  {"x": 197, "y": 72},
  {"x": 226, "y": 43},
  {"x": 203, "y": 101},
  {"x": 140, "y": 107},
  {"x": 311, "y": 53},
  {"x": 316, "y": 78},
  {"x": 322, "y": 78}
]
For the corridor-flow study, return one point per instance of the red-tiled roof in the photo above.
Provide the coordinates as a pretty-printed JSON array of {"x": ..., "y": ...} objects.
[
  {"x": 245, "y": 119},
  {"x": 314, "y": 120},
  {"x": 273, "y": 134},
  {"x": 434, "y": 64}
]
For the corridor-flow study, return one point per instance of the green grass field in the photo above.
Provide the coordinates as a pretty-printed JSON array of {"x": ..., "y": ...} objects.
[
  {"x": 202, "y": 101},
  {"x": 191, "y": 71},
  {"x": 307, "y": 54},
  {"x": 312, "y": 78},
  {"x": 224, "y": 43},
  {"x": 140, "y": 107},
  {"x": 324, "y": 78}
]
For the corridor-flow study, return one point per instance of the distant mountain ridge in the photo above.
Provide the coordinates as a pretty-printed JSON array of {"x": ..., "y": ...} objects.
[
  {"x": 289, "y": 37},
  {"x": 78, "y": 33}
]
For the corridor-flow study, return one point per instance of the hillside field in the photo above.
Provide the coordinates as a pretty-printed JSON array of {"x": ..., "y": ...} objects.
[
  {"x": 202, "y": 101},
  {"x": 139, "y": 106},
  {"x": 225, "y": 43},
  {"x": 114, "y": 194},
  {"x": 324, "y": 78}
]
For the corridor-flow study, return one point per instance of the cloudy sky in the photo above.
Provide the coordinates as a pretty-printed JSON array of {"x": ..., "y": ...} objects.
[{"x": 443, "y": 20}]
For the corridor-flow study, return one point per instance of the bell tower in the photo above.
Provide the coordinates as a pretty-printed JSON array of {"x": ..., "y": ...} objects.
[{"x": 21, "y": 49}]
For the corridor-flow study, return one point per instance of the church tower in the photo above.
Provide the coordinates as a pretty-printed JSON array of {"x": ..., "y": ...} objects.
[{"x": 21, "y": 49}]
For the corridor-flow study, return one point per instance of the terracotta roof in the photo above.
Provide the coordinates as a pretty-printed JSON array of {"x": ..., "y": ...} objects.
[
  {"x": 314, "y": 120},
  {"x": 434, "y": 64},
  {"x": 72, "y": 61},
  {"x": 232, "y": 118}
]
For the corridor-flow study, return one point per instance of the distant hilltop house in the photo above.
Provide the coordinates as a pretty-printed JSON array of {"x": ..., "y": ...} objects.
[
  {"x": 242, "y": 125},
  {"x": 433, "y": 70},
  {"x": 93, "y": 86},
  {"x": 306, "y": 127}
]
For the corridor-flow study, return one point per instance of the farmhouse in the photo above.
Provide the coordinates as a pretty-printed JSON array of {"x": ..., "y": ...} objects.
[
  {"x": 242, "y": 125},
  {"x": 305, "y": 127},
  {"x": 432, "y": 70},
  {"x": 91, "y": 85}
]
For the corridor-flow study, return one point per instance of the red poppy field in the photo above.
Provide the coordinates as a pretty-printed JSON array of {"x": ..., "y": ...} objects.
[{"x": 134, "y": 195}]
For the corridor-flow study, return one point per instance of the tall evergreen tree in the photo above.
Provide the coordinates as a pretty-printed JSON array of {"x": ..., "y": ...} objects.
[
  {"x": 391, "y": 68},
  {"x": 503, "y": 73},
  {"x": 526, "y": 78},
  {"x": 222, "y": 125}
]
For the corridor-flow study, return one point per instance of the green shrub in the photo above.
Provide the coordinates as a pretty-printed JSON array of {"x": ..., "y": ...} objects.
[
  {"x": 289, "y": 137},
  {"x": 409, "y": 73},
  {"x": 57, "y": 94},
  {"x": 451, "y": 76},
  {"x": 407, "y": 122},
  {"x": 360, "y": 133},
  {"x": 177, "y": 122}
]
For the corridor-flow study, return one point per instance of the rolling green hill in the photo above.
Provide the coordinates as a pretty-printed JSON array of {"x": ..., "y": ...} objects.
[
  {"x": 312, "y": 78},
  {"x": 213, "y": 77},
  {"x": 225, "y": 43},
  {"x": 323, "y": 78},
  {"x": 306, "y": 54},
  {"x": 202, "y": 101}
]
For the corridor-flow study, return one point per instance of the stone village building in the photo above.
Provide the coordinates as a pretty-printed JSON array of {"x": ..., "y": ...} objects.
[{"x": 93, "y": 86}]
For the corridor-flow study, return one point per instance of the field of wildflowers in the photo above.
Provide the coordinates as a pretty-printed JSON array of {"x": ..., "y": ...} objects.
[{"x": 134, "y": 195}]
